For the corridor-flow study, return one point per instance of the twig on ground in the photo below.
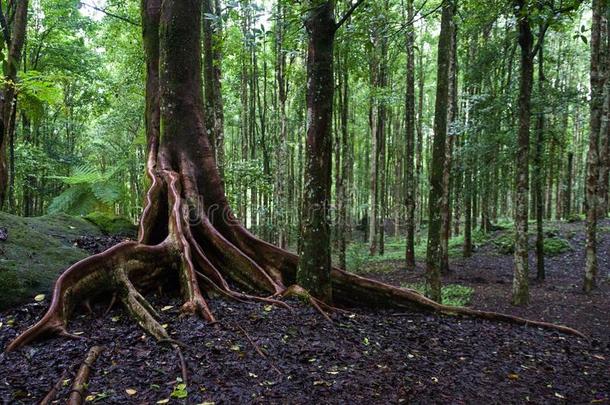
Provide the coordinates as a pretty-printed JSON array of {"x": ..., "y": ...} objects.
[{"x": 77, "y": 393}]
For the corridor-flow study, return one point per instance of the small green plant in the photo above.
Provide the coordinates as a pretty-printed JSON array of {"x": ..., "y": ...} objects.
[
  {"x": 180, "y": 390},
  {"x": 555, "y": 246},
  {"x": 454, "y": 295},
  {"x": 505, "y": 243},
  {"x": 356, "y": 256},
  {"x": 575, "y": 218}
]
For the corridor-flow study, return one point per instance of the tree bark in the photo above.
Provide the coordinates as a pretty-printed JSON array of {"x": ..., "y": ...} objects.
[
  {"x": 449, "y": 145},
  {"x": 7, "y": 105},
  {"x": 521, "y": 272},
  {"x": 314, "y": 266},
  {"x": 538, "y": 175},
  {"x": 592, "y": 180},
  {"x": 212, "y": 49},
  {"x": 410, "y": 175},
  {"x": 433, "y": 254}
]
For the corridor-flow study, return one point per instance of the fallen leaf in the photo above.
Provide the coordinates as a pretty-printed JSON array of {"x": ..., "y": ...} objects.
[
  {"x": 167, "y": 308},
  {"x": 599, "y": 357},
  {"x": 131, "y": 391},
  {"x": 513, "y": 376},
  {"x": 163, "y": 401},
  {"x": 39, "y": 298},
  {"x": 89, "y": 398},
  {"x": 268, "y": 308},
  {"x": 558, "y": 395}
]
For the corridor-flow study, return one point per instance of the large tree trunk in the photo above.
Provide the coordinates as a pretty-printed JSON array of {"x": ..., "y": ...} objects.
[
  {"x": 188, "y": 231},
  {"x": 521, "y": 271},
  {"x": 314, "y": 266},
  {"x": 433, "y": 255},
  {"x": 14, "y": 43}
]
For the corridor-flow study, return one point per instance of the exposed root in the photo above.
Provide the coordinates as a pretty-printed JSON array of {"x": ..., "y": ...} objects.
[
  {"x": 95, "y": 276},
  {"x": 77, "y": 393},
  {"x": 296, "y": 291},
  {"x": 138, "y": 307}
]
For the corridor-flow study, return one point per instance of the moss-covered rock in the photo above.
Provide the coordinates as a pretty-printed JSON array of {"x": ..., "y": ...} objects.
[
  {"x": 111, "y": 224},
  {"x": 36, "y": 251}
]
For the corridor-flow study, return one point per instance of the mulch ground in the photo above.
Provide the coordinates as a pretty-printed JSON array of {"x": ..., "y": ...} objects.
[{"x": 366, "y": 357}]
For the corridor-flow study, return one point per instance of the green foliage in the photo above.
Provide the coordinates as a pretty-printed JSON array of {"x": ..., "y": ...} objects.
[
  {"x": 505, "y": 243},
  {"x": 88, "y": 189},
  {"x": 455, "y": 295},
  {"x": 555, "y": 246}
]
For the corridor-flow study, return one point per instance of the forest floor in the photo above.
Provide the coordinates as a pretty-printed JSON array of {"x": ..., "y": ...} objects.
[{"x": 263, "y": 354}]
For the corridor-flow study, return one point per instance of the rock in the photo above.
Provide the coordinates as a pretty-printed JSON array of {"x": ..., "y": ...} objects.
[
  {"x": 38, "y": 250},
  {"x": 3, "y": 234},
  {"x": 112, "y": 224}
]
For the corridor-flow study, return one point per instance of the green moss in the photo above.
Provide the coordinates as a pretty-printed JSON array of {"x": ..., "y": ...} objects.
[
  {"x": 111, "y": 224},
  {"x": 36, "y": 251}
]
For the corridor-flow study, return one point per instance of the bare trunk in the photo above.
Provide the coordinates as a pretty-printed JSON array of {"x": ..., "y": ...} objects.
[
  {"x": 521, "y": 271},
  {"x": 314, "y": 266},
  {"x": 410, "y": 175},
  {"x": 433, "y": 254},
  {"x": 538, "y": 169},
  {"x": 451, "y": 117},
  {"x": 592, "y": 180},
  {"x": 7, "y": 105}
]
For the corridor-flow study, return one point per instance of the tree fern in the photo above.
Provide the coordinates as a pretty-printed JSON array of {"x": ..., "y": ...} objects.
[{"x": 88, "y": 190}]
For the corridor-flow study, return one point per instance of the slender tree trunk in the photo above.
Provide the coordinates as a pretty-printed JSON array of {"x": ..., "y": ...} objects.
[
  {"x": 592, "y": 180},
  {"x": 410, "y": 175},
  {"x": 16, "y": 39},
  {"x": 212, "y": 54},
  {"x": 604, "y": 134},
  {"x": 449, "y": 144},
  {"x": 538, "y": 174},
  {"x": 433, "y": 255},
  {"x": 345, "y": 161},
  {"x": 567, "y": 196},
  {"x": 313, "y": 272},
  {"x": 521, "y": 273},
  {"x": 382, "y": 118},
  {"x": 375, "y": 149}
]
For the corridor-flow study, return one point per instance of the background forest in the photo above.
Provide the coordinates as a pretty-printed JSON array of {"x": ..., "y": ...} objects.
[{"x": 79, "y": 142}]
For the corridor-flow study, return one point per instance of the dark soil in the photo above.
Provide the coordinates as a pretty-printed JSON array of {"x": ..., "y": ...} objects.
[
  {"x": 367, "y": 357},
  {"x": 558, "y": 299},
  {"x": 97, "y": 244}
]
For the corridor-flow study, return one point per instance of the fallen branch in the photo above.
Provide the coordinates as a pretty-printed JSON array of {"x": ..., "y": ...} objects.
[
  {"x": 77, "y": 393},
  {"x": 258, "y": 349}
]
